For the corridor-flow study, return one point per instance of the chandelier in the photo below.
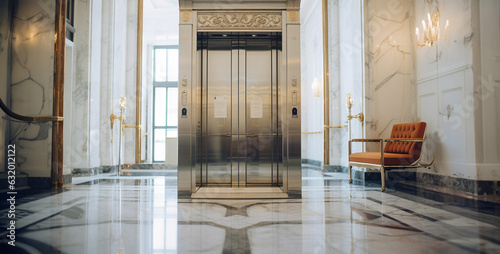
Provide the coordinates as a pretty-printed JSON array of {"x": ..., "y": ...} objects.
[{"x": 431, "y": 30}]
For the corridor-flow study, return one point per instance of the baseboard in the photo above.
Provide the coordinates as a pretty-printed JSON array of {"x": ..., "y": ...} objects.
[
  {"x": 77, "y": 172},
  {"x": 40, "y": 182},
  {"x": 151, "y": 166},
  {"x": 475, "y": 187},
  {"x": 335, "y": 169},
  {"x": 315, "y": 163}
]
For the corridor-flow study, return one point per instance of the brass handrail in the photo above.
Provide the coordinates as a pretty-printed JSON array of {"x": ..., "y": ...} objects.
[
  {"x": 335, "y": 127},
  {"x": 29, "y": 118}
]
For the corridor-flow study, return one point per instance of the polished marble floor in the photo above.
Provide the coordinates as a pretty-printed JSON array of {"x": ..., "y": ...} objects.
[{"x": 141, "y": 214}]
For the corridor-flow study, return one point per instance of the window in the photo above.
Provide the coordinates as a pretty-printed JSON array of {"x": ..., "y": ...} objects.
[
  {"x": 165, "y": 97},
  {"x": 70, "y": 18}
]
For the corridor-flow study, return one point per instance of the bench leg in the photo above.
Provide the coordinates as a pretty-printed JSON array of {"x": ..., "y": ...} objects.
[
  {"x": 382, "y": 172},
  {"x": 350, "y": 174}
]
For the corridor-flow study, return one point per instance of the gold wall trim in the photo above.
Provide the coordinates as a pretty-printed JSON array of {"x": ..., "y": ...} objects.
[
  {"x": 239, "y": 21},
  {"x": 326, "y": 90},
  {"x": 138, "y": 88},
  {"x": 58, "y": 95}
]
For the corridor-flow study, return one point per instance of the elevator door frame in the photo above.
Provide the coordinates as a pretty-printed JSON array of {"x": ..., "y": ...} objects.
[
  {"x": 252, "y": 145},
  {"x": 289, "y": 70}
]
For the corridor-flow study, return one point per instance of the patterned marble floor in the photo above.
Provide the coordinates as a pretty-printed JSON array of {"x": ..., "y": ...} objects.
[{"x": 141, "y": 214}]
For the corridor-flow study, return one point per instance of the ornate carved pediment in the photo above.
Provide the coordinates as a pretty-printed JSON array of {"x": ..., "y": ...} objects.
[{"x": 239, "y": 21}]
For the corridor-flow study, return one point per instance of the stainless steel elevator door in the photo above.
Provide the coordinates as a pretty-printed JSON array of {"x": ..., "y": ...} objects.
[{"x": 240, "y": 123}]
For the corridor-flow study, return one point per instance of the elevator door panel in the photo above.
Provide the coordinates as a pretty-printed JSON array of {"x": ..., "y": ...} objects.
[
  {"x": 258, "y": 107},
  {"x": 240, "y": 136},
  {"x": 218, "y": 120}
]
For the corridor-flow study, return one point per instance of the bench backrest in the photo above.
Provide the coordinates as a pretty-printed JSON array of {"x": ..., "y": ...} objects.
[{"x": 406, "y": 130}]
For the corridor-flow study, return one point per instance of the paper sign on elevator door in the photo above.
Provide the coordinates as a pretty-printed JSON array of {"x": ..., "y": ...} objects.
[
  {"x": 256, "y": 107},
  {"x": 220, "y": 107}
]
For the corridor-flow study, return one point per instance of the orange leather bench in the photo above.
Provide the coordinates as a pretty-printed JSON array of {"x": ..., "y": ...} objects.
[{"x": 402, "y": 150}]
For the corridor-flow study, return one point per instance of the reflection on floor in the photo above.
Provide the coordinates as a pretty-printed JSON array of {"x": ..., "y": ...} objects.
[{"x": 141, "y": 214}]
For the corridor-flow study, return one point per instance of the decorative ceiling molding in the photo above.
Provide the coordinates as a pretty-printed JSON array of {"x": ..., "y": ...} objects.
[
  {"x": 239, "y": 21},
  {"x": 291, "y": 5},
  {"x": 185, "y": 5}
]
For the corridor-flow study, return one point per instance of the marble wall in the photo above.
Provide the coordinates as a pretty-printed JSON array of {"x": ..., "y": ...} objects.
[
  {"x": 345, "y": 49},
  {"x": 388, "y": 86},
  {"x": 351, "y": 55},
  {"x": 113, "y": 79},
  {"x": 32, "y": 83},
  {"x": 311, "y": 48},
  {"x": 130, "y": 80},
  {"x": 445, "y": 87},
  {"x": 489, "y": 11},
  {"x": 345, "y": 46},
  {"x": 5, "y": 11},
  {"x": 80, "y": 96}
]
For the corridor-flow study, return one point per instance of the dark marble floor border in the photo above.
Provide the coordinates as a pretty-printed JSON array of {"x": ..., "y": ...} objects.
[
  {"x": 312, "y": 162},
  {"x": 450, "y": 202},
  {"x": 326, "y": 168},
  {"x": 76, "y": 172},
  {"x": 150, "y": 166},
  {"x": 476, "y": 187}
]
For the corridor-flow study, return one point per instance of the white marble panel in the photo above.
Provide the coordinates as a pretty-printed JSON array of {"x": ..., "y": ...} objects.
[
  {"x": 32, "y": 83},
  {"x": 4, "y": 76},
  {"x": 351, "y": 51},
  {"x": 448, "y": 66},
  {"x": 130, "y": 80},
  {"x": 389, "y": 90},
  {"x": 490, "y": 79},
  {"x": 80, "y": 96},
  {"x": 108, "y": 150},
  {"x": 312, "y": 72}
]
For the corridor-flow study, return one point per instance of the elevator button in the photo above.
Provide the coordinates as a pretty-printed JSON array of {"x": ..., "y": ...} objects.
[
  {"x": 184, "y": 98},
  {"x": 294, "y": 113},
  {"x": 184, "y": 113}
]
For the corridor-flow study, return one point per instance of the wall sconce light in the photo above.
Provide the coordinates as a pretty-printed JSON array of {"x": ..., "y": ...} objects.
[
  {"x": 431, "y": 30},
  {"x": 348, "y": 103},
  {"x": 316, "y": 88},
  {"x": 123, "y": 103},
  {"x": 360, "y": 116}
]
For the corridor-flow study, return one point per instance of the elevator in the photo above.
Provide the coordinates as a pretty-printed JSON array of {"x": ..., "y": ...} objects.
[
  {"x": 240, "y": 138},
  {"x": 239, "y": 107}
]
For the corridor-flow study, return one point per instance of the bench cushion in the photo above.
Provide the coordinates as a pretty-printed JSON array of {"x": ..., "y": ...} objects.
[{"x": 389, "y": 158}]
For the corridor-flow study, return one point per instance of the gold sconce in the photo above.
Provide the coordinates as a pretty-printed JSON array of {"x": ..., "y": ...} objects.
[
  {"x": 431, "y": 30},
  {"x": 349, "y": 103},
  {"x": 360, "y": 116},
  {"x": 316, "y": 87}
]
